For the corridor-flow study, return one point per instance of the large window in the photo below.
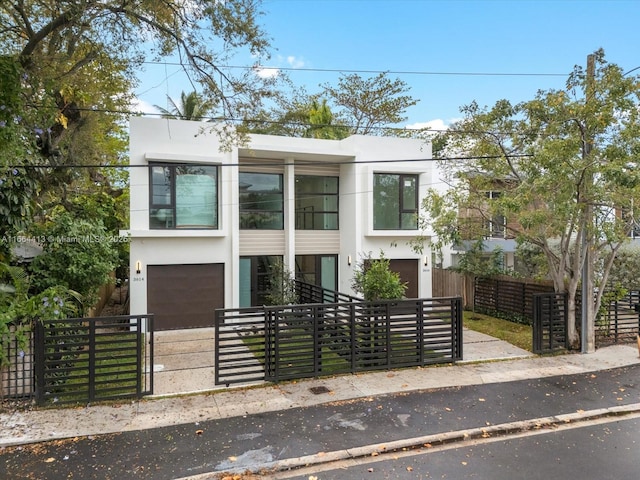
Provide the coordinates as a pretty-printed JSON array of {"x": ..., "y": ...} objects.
[
  {"x": 395, "y": 201},
  {"x": 316, "y": 203},
  {"x": 261, "y": 201},
  {"x": 183, "y": 196}
]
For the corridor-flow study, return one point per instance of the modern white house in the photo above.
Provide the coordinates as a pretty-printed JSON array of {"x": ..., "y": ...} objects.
[{"x": 205, "y": 224}]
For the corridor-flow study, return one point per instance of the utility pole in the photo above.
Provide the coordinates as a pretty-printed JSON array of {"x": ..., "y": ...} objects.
[{"x": 587, "y": 333}]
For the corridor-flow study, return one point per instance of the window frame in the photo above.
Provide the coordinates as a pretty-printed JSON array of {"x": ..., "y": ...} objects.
[
  {"x": 172, "y": 205},
  {"x": 499, "y": 221},
  {"x": 281, "y": 194},
  {"x": 402, "y": 208},
  {"x": 299, "y": 196}
]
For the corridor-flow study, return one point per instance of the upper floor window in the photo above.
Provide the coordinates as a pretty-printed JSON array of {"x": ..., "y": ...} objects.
[
  {"x": 316, "y": 202},
  {"x": 183, "y": 196},
  {"x": 495, "y": 227},
  {"x": 261, "y": 201},
  {"x": 395, "y": 201}
]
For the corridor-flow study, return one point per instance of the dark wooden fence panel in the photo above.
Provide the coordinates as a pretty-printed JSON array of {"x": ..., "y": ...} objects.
[{"x": 508, "y": 296}]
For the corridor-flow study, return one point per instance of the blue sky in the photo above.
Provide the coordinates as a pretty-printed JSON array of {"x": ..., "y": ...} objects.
[{"x": 424, "y": 42}]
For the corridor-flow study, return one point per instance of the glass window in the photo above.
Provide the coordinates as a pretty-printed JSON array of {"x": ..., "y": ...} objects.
[
  {"x": 183, "y": 196},
  {"x": 261, "y": 201},
  {"x": 495, "y": 226},
  {"x": 321, "y": 270},
  {"x": 395, "y": 201},
  {"x": 316, "y": 202}
]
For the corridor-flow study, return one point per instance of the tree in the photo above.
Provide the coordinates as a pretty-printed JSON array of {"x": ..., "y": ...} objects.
[
  {"x": 282, "y": 285},
  {"x": 192, "y": 106},
  {"x": 368, "y": 105},
  {"x": 78, "y": 255},
  {"x": 321, "y": 123},
  {"x": 77, "y": 64},
  {"x": 373, "y": 279},
  {"x": 567, "y": 166}
]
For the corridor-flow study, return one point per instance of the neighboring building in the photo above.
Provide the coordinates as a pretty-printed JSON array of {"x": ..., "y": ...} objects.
[{"x": 205, "y": 224}]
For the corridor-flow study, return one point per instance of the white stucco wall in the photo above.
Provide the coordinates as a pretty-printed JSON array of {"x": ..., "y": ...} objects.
[{"x": 183, "y": 141}]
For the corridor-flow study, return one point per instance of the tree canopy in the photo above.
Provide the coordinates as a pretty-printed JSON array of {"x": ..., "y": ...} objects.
[
  {"x": 566, "y": 166},
  {"x": 354, "y": 106}
]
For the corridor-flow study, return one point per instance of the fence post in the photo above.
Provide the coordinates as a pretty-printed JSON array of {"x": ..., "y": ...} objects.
[{"x": 39, "y": 347}]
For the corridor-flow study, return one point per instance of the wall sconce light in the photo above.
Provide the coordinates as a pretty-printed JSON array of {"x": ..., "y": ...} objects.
[
  {"x": 426, "y": 261},
  {"x": 348, "y": 259},
  {"x": 138, "y": 267}
]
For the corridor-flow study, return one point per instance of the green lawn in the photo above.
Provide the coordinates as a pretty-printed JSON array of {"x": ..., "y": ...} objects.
[{"x": 514, "y": 333}]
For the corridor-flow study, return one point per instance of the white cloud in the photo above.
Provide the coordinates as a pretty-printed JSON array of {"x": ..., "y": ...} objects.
[
  {"x": 435, "y": 125},
  {"x": 140, "y": 106},
  {"x": 296, "y": 62},
  {"x": 266, "y": 72}
]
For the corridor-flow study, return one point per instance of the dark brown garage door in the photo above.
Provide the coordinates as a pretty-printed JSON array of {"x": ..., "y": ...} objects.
[
  {"x": 408, "y": 270},
  {"x": 184, "y": 296}
]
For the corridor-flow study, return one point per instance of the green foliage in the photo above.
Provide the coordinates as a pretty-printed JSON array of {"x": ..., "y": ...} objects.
[
  {"x": 369, "y": 104},
  {"x": 531, "y": 261},
  {"x": 192, "y": 106},
  {"x": 373, "y": 279},
  {"x": 355, "y": 106},
  {"x": 19, "y": 308},
  {"x": 282, "y": 287},
  {"x": 478, "y": 263},
  {"x": 565, "y": 164},
  {"x": 626, "y": 269},
  {"x": 79, "y": 255}
]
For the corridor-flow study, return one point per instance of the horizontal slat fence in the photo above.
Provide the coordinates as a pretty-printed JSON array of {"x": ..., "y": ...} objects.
[
  {"x": 82, "y": 360},
  {"x": 300, "y": 341},
  {"x": 508, "y": 297},
  {"x": 620, "y": 321}
]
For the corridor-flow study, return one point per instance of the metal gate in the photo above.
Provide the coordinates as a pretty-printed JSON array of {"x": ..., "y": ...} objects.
[
  {"x": 301, "y": 341},
  {"x": 549, "y": 322},
  {"x": 82, "y": 360}
]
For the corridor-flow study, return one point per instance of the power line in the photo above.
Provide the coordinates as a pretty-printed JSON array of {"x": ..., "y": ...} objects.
[
  {"x": 275, "y": 164},
  {"x": 394, "y": 72}
]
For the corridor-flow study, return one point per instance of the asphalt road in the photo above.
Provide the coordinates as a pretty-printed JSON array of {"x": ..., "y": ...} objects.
[
  {"x": 589, "y": 452},
  {"x": 253, "y": 441}
]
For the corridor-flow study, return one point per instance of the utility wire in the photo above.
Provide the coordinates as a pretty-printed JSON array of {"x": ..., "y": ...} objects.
[
  {"x": 276, "y": 164},
  {"x": 394, "y": 72}
]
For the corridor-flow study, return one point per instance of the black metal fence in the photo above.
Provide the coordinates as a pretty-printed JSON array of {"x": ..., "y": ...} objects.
[
  {"x": 16, "y": 377},
  {"x": 82, "y": 360},
  {"x": 309, "y": 293},
  {"x": 301, "y": 341},
  {"x": 549, "y": 322},
  {"x": 619, "y": 321}
]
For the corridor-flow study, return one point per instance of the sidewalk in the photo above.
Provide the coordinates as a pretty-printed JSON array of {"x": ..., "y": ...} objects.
[{"x": 508, "y": 364}]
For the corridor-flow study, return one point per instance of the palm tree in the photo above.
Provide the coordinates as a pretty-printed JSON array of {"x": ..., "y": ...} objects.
[{"x": 192, "y": 106}]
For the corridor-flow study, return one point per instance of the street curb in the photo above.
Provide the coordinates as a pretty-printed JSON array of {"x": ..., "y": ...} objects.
[{"x": 432, "y": 440}]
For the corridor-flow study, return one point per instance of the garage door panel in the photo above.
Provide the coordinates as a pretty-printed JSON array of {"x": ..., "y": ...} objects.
[
  {"x": 184, "y": 296},
  {"x": 408, "y": 271}
]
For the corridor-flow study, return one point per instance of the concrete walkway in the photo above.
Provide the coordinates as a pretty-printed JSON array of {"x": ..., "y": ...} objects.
[
  {"x": 487, "y": 360},
  {"x": 184, "y": 359}
]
